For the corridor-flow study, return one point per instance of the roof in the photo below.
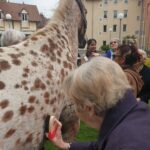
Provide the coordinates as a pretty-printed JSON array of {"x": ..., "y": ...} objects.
[{"x": 15, "y": 9}]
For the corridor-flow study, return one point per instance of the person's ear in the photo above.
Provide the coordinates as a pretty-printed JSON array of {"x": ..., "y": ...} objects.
[{"x": 89, "y": 108}]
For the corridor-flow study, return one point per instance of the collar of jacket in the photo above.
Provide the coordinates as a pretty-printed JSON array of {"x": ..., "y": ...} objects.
[{"x": 115, "y": 115}]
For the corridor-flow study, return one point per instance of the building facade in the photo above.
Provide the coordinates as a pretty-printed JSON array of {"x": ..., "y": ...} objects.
[
  {"x": 147, "y": 23},
  {"x": 104, "y": 24},
  {"x": 21, "y": 17}
]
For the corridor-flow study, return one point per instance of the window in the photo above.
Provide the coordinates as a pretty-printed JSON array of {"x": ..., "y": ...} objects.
[
  {"x": 124, "y": 27},
  {"x": 105, "y": 1},
  {"x": 114, "y": 28},
  {"x": 115, "y": 1},
  {"x": 136, "y": 32},
  {"x": 115, "y": 13},
  {"x": 105, "y": 14},
  {"x": 1, "y": 15},
  {"x": 105, "y": 28},
  {"x": 125, "y": 13},
  {"x": 139, "y": 2},
  {"x": 104, "y": 42},
  {"x": 24, "y": 15},
  {"x": 138, "y": 18},
  {"x": 126, "y": 1}
]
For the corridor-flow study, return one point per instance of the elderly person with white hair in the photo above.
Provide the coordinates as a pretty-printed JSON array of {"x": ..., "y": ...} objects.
[
  {"x": 114, "y": 44},
  {"x": 104, "y": 100},
  {"x": 11, "y": 37}
]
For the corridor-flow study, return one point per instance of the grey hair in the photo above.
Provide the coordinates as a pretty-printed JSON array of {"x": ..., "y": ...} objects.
[
  {"x": 100, "y": 81},
  {"x": 11, "y": 36},
  {"x": 143, "y": 54},
  {"x": 117, "y": 40}
]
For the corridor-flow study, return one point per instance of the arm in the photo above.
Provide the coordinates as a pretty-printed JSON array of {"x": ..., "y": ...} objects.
[{"x": 55, "y": 136}]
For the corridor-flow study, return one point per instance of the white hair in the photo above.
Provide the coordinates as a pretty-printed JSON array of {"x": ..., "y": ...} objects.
[
  {"x": 11, "y": 36},
  {"x": 100, "y": 81},
  {"x": 142, "y": 53}
]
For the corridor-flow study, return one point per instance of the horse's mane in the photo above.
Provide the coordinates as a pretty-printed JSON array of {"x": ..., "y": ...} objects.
[
  {"x": 59, "y": 15},
  {"x": 64, "y": 6}
]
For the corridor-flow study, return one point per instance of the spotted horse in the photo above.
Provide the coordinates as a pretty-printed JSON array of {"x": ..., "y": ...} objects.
[{"x": 31, "y": 75}]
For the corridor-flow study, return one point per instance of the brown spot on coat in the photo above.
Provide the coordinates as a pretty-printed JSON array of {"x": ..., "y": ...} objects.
[
  {"x": 17, "y": 86},
  {"x": 25, "y": 44},
  {"x": 32, "y": 99},
  {"x": 45, "y": 48},
  {"x": 18, "y": 141},
  {"x": 41, "y": 33},
  {"x": 65, "y": 64},
  {"x": 16, "y": 62},
  {"x": 39, "y": 84},
  {"x": 24, "y": 82},
  {"x": 34, "y": 38},
  {"x": 26, "y": 70},
  {"x": 33, "y": 63},
  {"x": 4, "y": 65},
  {"x": 43, "y": 87},
  {"x": 46, "y": 95},
  {"x": 51, "y": 67},
  {"x": 59, "y": 53},
  {"x": 30, "y": 109},
  {"x": 4, "y": 104},
  {"x": 70, "y": 66},
  {"x": 54, "y": 110},
  {"x": 62, "y": 75},
  {"x": 46, "y": 101},
  {"x": 59, "y": 61},
  {"x": 25, "y": 75},
  {"x": 65, "y": 39},
  {"x": 52, "y": 101},
  {"x": 2, "y": 85},
  {"x": 10, "y": 133},
  {"x": 7, "y": 116},
  {"x": 14, "y": 56},
  {"x": 53, "y": 57},
  {"x": 33, "y": 53},
  {"x": 49, "y": 75},
  {"x": 29, "y": 138},
  {"x": 52, "y": 44},
  {"x": 23, "y": 109}
]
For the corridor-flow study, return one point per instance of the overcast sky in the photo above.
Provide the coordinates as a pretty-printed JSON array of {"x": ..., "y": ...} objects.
[{"x": 44, "y": 6}]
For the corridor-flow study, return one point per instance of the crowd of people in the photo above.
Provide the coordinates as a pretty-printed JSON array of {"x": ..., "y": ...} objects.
[{"x": 110, "y": 92}]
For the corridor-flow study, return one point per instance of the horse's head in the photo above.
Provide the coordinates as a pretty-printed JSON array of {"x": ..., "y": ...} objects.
[{"x": 82, "y": 29}]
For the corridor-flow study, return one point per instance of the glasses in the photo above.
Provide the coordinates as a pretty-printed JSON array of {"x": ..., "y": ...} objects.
[{"x": 114, "y": 42}]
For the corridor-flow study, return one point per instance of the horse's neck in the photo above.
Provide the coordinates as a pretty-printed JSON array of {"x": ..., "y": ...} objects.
[{"x": 68, "y": 24}]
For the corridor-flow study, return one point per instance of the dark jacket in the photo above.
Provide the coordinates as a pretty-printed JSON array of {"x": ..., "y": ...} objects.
[
  {"x": 145, "y": 92},
  {"x": 126, "y": 127}
]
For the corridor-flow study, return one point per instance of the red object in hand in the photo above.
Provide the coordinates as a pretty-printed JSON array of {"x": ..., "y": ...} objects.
[
  {"x": 52, "y": 134},
  {"x": 53, "y": 127}
]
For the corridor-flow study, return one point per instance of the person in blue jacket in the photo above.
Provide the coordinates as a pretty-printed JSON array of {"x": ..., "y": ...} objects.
[{"x": 105, "y": 101}]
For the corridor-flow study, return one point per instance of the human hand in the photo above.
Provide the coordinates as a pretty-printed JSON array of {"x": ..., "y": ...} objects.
[
  {"x": 95, "y": 54},
  {"x": 55, "y": 135},
  {"x": 138, "y": 99}
]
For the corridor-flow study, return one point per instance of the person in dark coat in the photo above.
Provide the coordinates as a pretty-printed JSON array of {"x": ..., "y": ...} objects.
[
  {"x": 104, "y": 100},
  {"x": 145, "y": 92},
  {"x": 144, "y": 95}
]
